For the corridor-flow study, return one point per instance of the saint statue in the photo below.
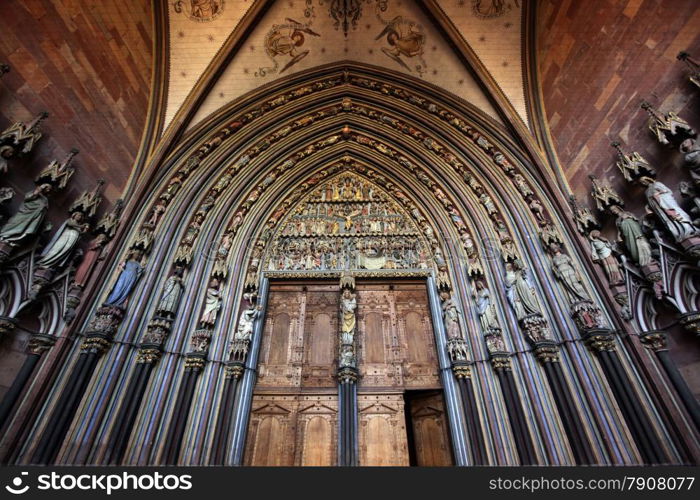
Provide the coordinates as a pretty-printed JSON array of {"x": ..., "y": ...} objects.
[
  {"x": 485, "y": 309},
  {"x": 348, "y": 304},
  {"x": 601, "y": 252},
  {"x": 212, "y": 304},
  {"x": 630, "y": 232},
  {"x": 29, "y": 217},
  {"x": 450, "y": 316},
  {"x": 246, "y": 323},
  {"x": 59, "y": 249},
  {"x": 564, "y": 271},
  {"x": 520, "y": 293},
  {"x": 130, "y": 272},
  {"x": 172, "y": 293},
  {"x": 662, "y": 202}
]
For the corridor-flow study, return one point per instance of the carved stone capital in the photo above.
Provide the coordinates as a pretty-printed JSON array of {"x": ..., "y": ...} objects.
[
  {"x": 546, "y": 351},
  {"x": 348, "y": 375},
  {"x": 39, "y": 343},
  {"x": 599, "y": 339},
  {"x": 95, "y": 344},
  {"x": 461, "y": 369},
  {"x": 234, "y": 370},
  {"x": 7, "y": 325},
  {"x": 690, "y": 321},
  {"x": 654, "y": 340},
  {"x": 149, "y": 355},
  {"x": 501, "y": 361},
  {"x": 195, "y": 362}
]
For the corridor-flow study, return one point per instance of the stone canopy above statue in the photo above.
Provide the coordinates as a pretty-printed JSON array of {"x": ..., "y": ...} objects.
[{"x": 348, "y": 223}]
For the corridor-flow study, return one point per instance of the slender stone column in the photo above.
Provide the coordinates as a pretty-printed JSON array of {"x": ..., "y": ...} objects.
[
  {"x": 347, "y": 410},
  {"x": 98, "y": 339},
  {"x": 244, "y": 397},
  {"x": 523, "y": 441},
  {"x": 38, "y": 344},
  {"x": 194, "y": 365},
  {"x": 656, "y": 342},
  {"x": 233, "y": 372},
  {"x": 347, "y": 373},
  {"x": 453, "y": 403},
  {"x": 547, "y": 353},
  {"x": 601, "y": 341}
]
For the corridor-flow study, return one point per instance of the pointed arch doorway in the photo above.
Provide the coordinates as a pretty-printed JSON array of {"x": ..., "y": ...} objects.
[
  {"x": 401, "y": 417},
  {"x": 348, "y": 226}
]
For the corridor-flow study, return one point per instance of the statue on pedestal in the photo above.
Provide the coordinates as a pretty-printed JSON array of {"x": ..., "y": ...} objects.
[
  {"x": 61, "y": 246},
  {"x": 130, "y": 272},
  {"x": 29, "y": 218}
]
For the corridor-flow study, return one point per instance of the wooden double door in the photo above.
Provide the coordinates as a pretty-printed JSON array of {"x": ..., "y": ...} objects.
[{"x": 401, "y": 415}]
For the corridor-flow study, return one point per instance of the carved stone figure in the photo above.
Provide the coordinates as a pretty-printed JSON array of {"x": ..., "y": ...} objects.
[
  {"x": 246, "y": 322},
  {"x": 564, "y": 271},
  {"x": 129, "y": 273},
  {"x": 602, "y": 253},
  {"x": 485, "y": 309},
  {"x": 172, "y": 293},
  {"x": 662, "y": 202},
  {"x": 521, "y": 295},
  {"x": 60, "y": 248},
  {"x": 212, "y": 304},
  {"x": 29, "y": 217},
  {"x": 450, "y": 316},
  {"x": 348, "y": 305},
  {"x": 630, "y": 232}
]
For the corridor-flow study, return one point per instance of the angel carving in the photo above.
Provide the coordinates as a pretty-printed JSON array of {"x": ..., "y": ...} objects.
[
  {"x": 286, "y": 39},
  {"x": 405, "y": 39}
]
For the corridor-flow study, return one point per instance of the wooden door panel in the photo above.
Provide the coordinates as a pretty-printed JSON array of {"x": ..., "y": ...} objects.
[
  {"x": 382, "y": 430},
  {"x": 430, "y": 431}
]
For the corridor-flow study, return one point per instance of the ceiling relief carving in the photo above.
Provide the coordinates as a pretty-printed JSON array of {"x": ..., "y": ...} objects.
[
  {"x": 487, "y": 9},
  {"x": 285, "y": 42},
  {"x": 348, "y": 223},
  {"x": 393, "y": 35},
  {"x": 199, "y": 10}
]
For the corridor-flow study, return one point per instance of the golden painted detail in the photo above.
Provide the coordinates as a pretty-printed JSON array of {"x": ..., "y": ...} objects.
[
  {"x": 7, "y": 324},
  {"x": 384, "y": 273},
  {"x": 348, "y": 223},
  {"x": 691, "y": 322},
  {"x": 547, "y": 352},
  {"x": 347, "y": 375},
  {"x": 501, "y": 362},
  {"x": 461, "y": 370},
  {"x": 654, "y": 340},
  {"x": 96, "y": 345},
  {"x": 234, "y": 370},
  {"x": 38, "y": 344},
  {"x": 599, "y": 340},
  {"x": 193, "y": 362},
  {"x": 148, "y": 355}
]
